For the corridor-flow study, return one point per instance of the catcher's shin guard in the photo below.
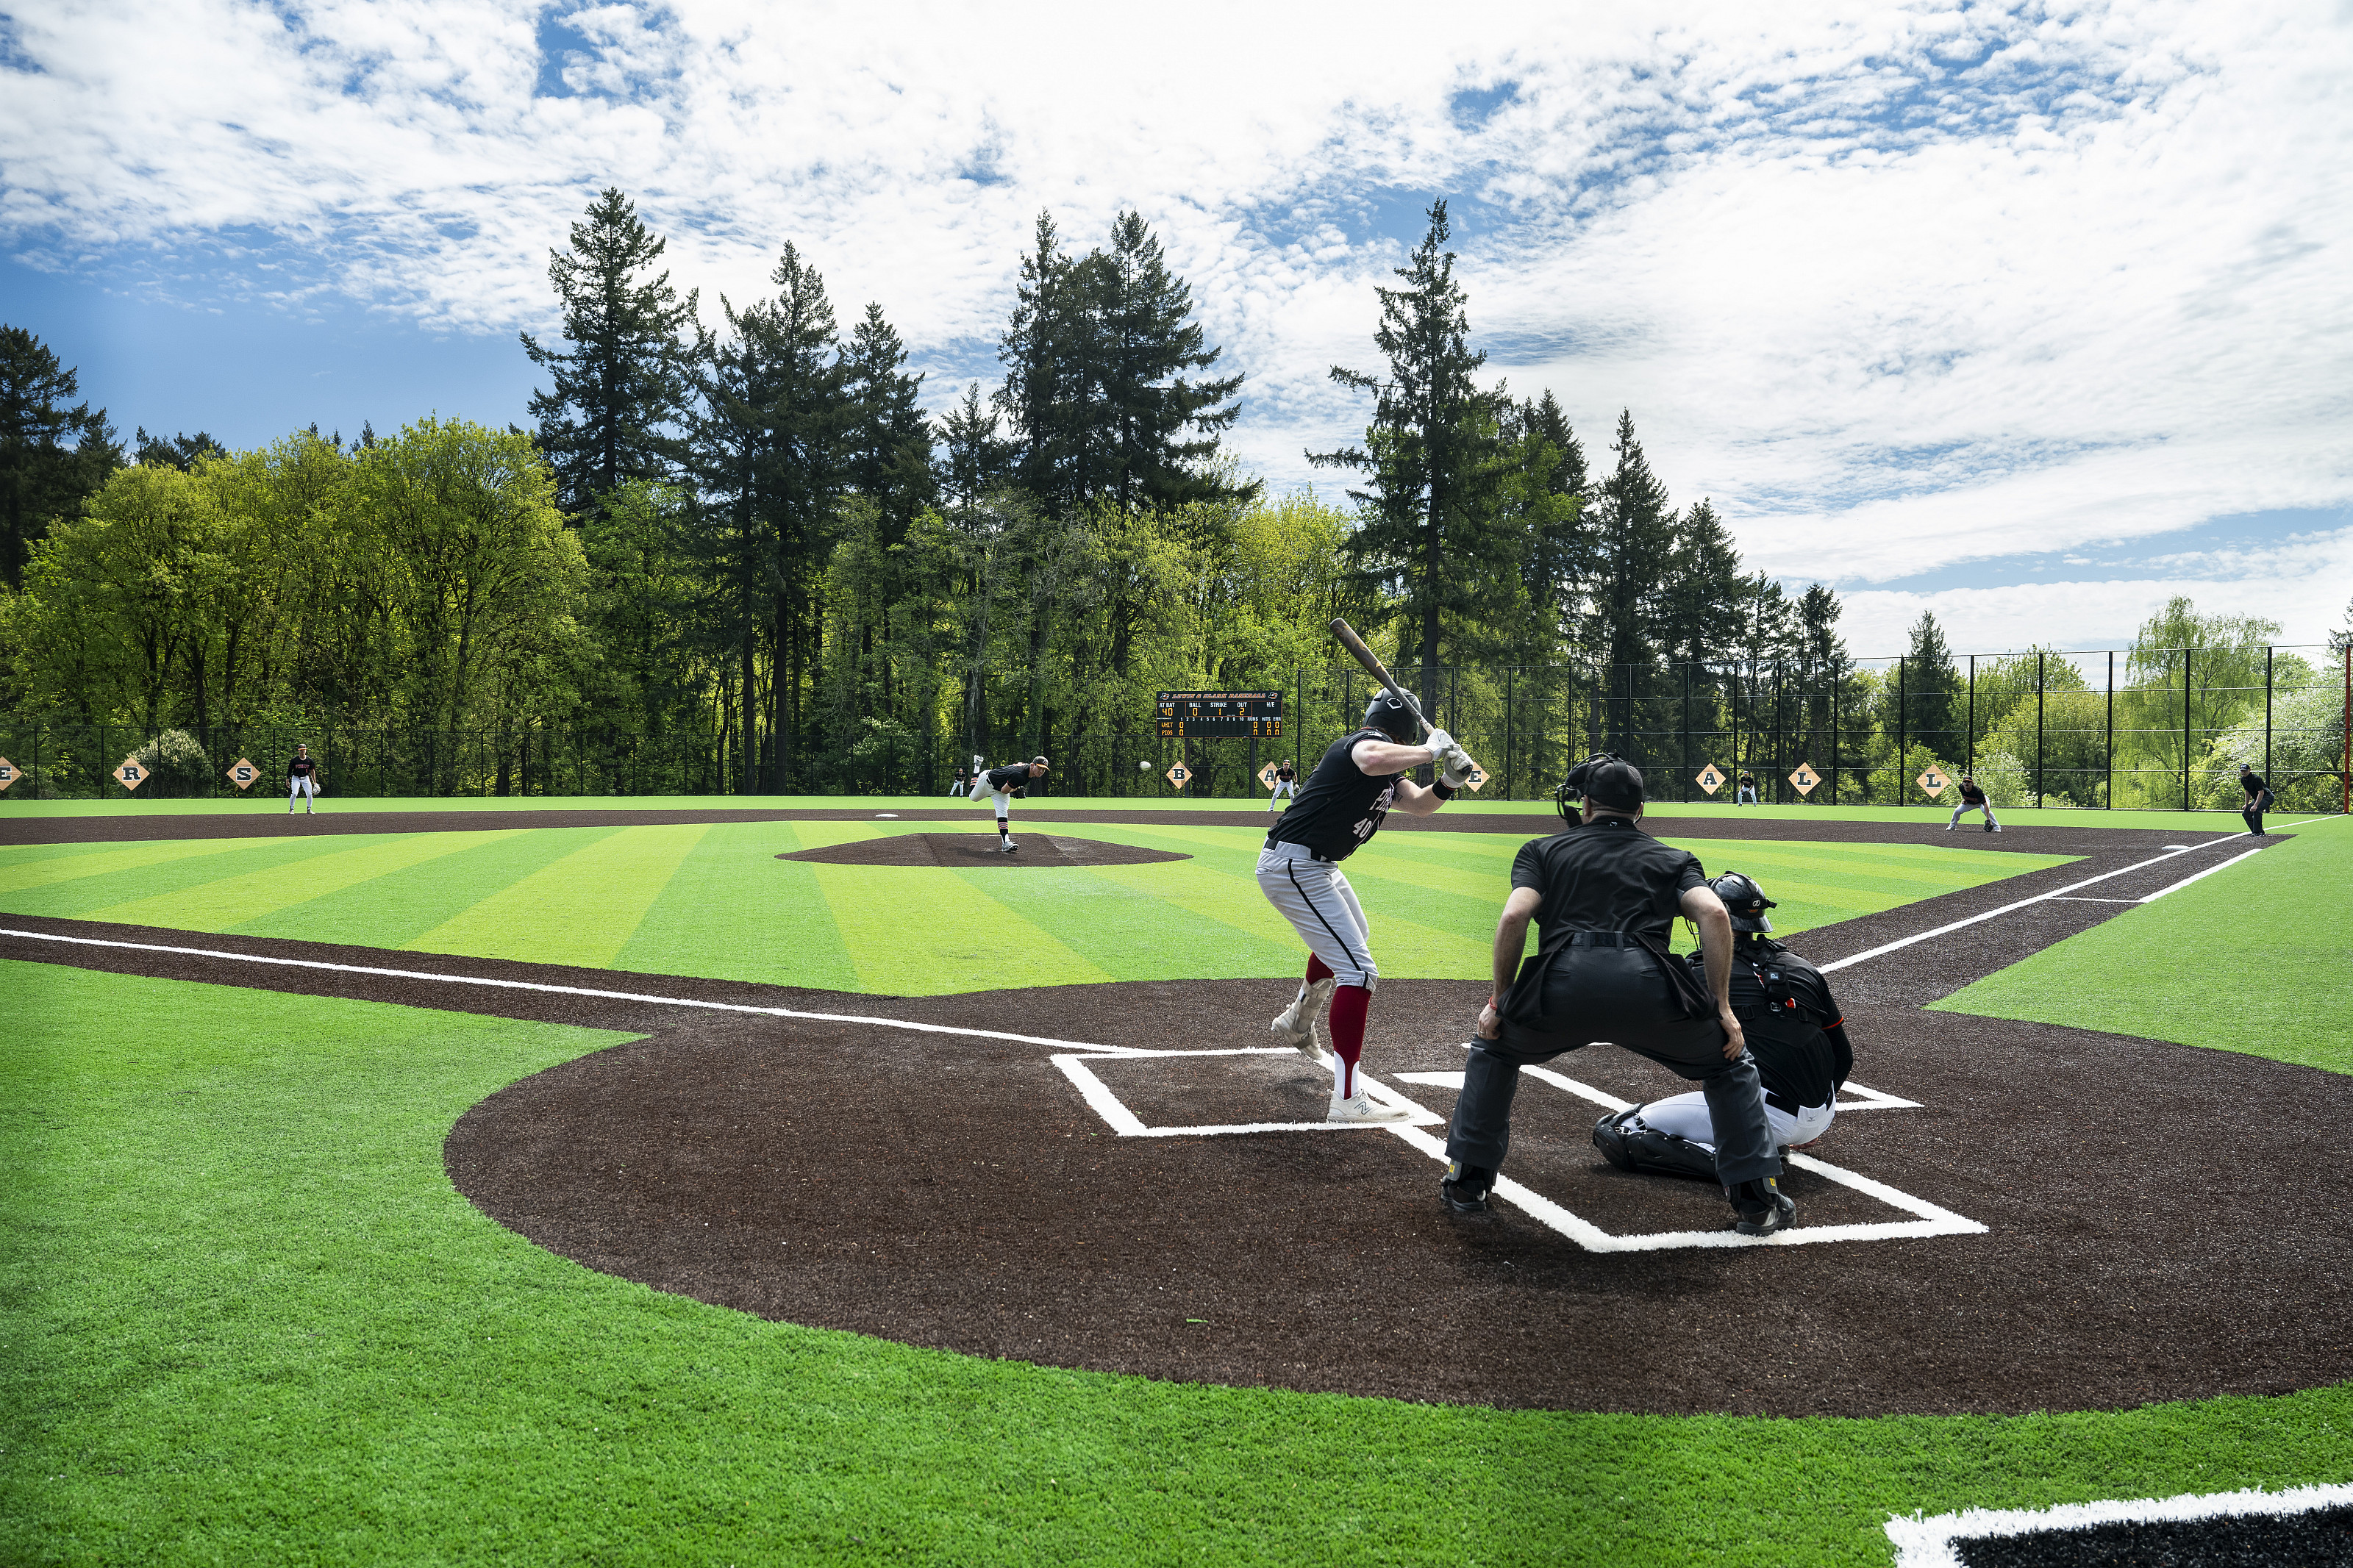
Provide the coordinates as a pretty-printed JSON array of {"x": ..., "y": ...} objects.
[{"x": 1626, "y": 1143}]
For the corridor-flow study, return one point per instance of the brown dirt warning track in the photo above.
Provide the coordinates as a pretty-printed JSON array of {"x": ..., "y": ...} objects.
[{"x": 2153, "y": 1227}]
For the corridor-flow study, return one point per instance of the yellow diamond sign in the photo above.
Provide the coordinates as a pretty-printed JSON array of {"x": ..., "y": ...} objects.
[
  {"x": 129, "y": 770},
  {"x": 1179, "y": 774},
  {"x": 1932, "y": 781},
  {"x": 1710, "y": 779},
  {"x": 242, "y": 774},
  {"x": 1476, "y": 778},
  {"x": 1805, "y": 778},
  {"x": 7, "y": 772},
  {"x": 1266, "y": 776}
]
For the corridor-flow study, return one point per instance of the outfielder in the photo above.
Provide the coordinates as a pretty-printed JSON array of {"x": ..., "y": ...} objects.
[
  {"x": 1973, "y": 798},
  {"x": 1360, "y": 780},
  {"x": 1747, "y": 791},
  {"x": 1002, "y": 785},
  {"x": 1286, "y": 784},
  {"x": 1795, "y": 1031},
  {"x": 301, "y": 781}
]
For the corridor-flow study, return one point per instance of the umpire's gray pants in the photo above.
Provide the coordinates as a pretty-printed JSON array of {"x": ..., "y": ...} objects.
[
  {"x": 1614, "y": 995},
  {"x": 1321, "y": 908}
]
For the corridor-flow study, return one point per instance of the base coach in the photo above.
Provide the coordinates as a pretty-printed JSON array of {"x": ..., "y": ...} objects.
[{"x": 1605, "y": 896}]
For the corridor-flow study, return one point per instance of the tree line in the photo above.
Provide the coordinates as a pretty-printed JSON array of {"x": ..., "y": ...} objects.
[{"x": 737, "y": 536}]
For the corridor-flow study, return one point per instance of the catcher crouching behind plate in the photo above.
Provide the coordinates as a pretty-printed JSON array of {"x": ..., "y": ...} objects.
[
  {"x": 1794, "y": 1030},
  {"x": 1605, "y": 894}
]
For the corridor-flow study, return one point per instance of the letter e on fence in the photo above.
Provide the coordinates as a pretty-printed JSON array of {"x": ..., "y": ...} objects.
[{"x": 7, "y": 772}]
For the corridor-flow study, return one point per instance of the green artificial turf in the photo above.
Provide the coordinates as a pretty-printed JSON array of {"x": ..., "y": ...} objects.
[
  {"x": 713, "y": 901},
  {"x": 2257, "y": 957},
  {"x": 248, "y": 1320}
]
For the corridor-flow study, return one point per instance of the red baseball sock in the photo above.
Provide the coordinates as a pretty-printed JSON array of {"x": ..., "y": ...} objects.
[
  {"x": 1346, "y": 1022},
  {"x": 1317, "y": 970}
]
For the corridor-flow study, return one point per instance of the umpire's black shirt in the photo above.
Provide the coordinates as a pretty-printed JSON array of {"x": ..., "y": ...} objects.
[{"x": 1607, "y": 875}]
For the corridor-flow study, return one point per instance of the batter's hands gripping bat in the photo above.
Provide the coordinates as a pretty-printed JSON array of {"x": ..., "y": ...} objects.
[{"x": 1356, "y": 645}]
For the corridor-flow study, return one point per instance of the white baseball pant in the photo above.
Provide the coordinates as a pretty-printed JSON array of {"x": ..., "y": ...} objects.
[
  {"x": 304, "y": 788},
  {"x": 1965, "y": 808},
  {"x": 1321, "y": 908},
  {"x": 1685, "y": 1116}
]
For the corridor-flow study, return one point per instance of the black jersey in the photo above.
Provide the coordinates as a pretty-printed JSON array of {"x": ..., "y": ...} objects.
[
  {"x": 1285, "y": 773},
  {"x": 1339, "y": 808},
  {"x": 1792, "y": 1023},
  {"x": 2253, "y": 784},
  {"x": 1012, "y": 777},
  {"x": 300, "y": 768},
  {"x": 1972, "y": 794}
]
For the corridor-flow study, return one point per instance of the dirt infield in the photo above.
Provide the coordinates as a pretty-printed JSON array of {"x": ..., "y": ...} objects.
[
  {"x": 968, "y": 849},
  {"x": 271, "y": 823},
  {"x": 970, "y": 1192}
]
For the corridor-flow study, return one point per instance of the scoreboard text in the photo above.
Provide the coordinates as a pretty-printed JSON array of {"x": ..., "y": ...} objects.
[{"x": 1219, "y": 715}]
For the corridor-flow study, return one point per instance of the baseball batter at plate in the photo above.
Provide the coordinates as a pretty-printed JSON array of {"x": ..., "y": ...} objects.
[
  {"x": 1795, "y": 1030},
  {"x": 1000, "y": 786},
  {"x": 1360, "y": 780}
]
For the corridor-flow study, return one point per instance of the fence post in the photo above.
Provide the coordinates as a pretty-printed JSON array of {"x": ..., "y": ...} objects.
[
  {"x": 2108, "y": 794},
  {"x": 1903, "y": 732},
  {"x": 1511, "y": 685},
  {"x": 2186, "y": 655},
  {"x": 2038, "y": 727},
  {"x": 2267, "y": 714},
  {"x": 1835, "y": 684},
  {"x": 1969, "y": 762}
]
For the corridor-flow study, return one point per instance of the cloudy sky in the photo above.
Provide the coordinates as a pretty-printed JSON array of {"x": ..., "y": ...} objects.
[{"x": 2032, "y": 315}]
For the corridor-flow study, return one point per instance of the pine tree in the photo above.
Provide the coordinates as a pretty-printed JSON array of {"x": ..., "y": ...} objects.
[
  {"x": 1052, "y": 372},
  {"x": 976, "y": 459},
  {"x": 181, "y": 451},
  {"x": 1164, "y": 428},
  {"x": 52, "y": 456},
  {"x": 1558, "y": 555},
  {"x": 1430, "y": 454},
  {"x": 1636, "y": 530},
  {"x": 1930, "y": 684},
  {"x": 888, "y": 444},
  {"x": 1701, "y": 597},
  {"x": 624, "y": 384}
]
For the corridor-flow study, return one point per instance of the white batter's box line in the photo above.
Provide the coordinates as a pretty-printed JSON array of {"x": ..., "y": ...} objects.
[
  {"x": 1106, "y": 1104},
  {"x": 1865, "y": 1099},
  {"x": 1930, "y": 1220},
  {"x": 1928, "y": 1542}
]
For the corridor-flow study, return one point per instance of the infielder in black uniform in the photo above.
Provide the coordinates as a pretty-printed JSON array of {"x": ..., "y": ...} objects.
[
  {"x": 1605, "y": 896},
  {"x": 1360, "y": 780},
  {"x": 1794, "y": 1030},
  {"x": 1002, "y": 783},
  {"x": 1286, "y": 784},
  {"x": 2259, "y": 798},
  {"x": 301, "y": 781},
  {"x": 1973, "y": 798},
  {"x": 1746, "y": 792}
]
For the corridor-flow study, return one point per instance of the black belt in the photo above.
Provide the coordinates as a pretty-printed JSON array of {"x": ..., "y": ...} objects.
[{"x": 1602, "y": 939}]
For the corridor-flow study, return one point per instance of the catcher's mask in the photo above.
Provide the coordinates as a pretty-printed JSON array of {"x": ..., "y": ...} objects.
[
  {"x": 1606, "y": 779},
  {"x": 1745, "y": 899}
]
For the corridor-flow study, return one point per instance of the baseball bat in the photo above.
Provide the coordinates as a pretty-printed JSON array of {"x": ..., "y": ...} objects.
[{"x": 1373, "y": 666}]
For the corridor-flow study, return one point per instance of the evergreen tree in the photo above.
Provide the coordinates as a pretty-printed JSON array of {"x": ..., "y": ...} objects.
[
  {"x": 622, "y": 389},
  {"x": 1164, "y": 428},
  {"x": 888, "y": 445},
  {"x": 1557, "y": 555},
  {"x": 1636, "y": 534},
  {"x": 977, "y": 460},
  {"x": 1700, "y": 599},
  {"x": 1052, "y": 372},
  {"x": 182, "y": 451},
  {"x": 1930, "y": 684},
  {"x": 1430, "y": 454},
  {"x": 53, "y": 456}
]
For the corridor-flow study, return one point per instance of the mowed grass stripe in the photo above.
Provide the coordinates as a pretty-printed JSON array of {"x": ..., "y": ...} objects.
[
  {"x": 582, "y": 909},
  {"x": 73, "y": 888},
  {"x": 231, "y": 901},
  {"x": 393, "y": 908},
  {"x": 1168, "y": 919},
  {"x": 72, "y": 862},
  {"x": 732, "y": 910},
  {"x": 927, "y": 931}
]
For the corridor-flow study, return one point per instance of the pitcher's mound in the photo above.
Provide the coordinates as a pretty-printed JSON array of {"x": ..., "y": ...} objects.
[{"x": 961, "y": 849}]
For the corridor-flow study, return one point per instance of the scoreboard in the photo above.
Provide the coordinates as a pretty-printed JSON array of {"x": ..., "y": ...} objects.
[{"x": 1220, "y": 715}]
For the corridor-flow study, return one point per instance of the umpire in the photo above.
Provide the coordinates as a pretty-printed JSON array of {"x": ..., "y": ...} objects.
[{"x": 1605, "y": 896}]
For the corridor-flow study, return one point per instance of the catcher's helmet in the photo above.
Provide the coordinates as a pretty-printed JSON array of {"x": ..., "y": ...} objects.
[
  {"x": 1604, "y": 778},
  {"x": 1392, "y": 717},
  {"x": 1746, "y": 899}
]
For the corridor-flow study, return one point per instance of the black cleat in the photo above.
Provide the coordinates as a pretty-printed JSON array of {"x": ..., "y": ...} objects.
[
  {"x": 1762, "y": 1206},
  {"x": 1464, "y": 1188},
  {"x": 1610, "y": 1137}
]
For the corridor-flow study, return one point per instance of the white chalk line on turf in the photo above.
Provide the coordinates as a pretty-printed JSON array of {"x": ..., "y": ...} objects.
[
  {"x": 1928, "y": 1542},
  {"x": 543, "y": 988},
  {"x": 1951, "y": 927}
]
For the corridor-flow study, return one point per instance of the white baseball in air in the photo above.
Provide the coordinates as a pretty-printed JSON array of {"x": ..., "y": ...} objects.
[{"x": 1143, "y": 767}]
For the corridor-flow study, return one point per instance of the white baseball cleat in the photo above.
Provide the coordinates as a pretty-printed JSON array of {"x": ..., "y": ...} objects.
[
  {"x": 1361, "y": 1107},
  {"x": 1296, "y": 1022}
]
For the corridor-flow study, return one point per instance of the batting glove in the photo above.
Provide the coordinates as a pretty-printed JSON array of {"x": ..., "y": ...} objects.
[{"x": 1438, "y": 742}]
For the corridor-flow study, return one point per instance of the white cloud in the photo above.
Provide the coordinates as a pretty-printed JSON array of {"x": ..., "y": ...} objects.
[{"x": 1897, "y": 287}]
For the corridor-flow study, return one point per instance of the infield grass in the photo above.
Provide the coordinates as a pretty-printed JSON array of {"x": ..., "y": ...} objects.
[
  {"x": 2256, "y": 958},
  {"x": 248, "y": 1320},
  {"x": 713, "y": 900}
]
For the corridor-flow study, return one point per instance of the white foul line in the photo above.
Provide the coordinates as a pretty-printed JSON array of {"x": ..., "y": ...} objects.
[
  {"x": 1928, "y": 1542},
  {"x": 2022, "y": 903},
  {"x": 583, "y": 991},
  {"x": 2195, "y": 875}
]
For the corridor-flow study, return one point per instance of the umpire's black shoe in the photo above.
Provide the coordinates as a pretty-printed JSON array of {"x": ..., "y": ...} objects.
[
  {"x": 1464, "y": 1188},
  {"x": 1610, "y": 1137},
  {"x": 1763, "y": 1207}
]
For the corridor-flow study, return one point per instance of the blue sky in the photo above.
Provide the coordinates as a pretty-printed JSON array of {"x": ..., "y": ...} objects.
[{"x": 2031, "y": 316}]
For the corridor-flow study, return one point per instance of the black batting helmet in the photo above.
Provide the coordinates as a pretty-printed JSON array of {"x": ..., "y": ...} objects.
[
  {"x": 1745, "y": 899},
  {"x": 1389, "y": 715}
]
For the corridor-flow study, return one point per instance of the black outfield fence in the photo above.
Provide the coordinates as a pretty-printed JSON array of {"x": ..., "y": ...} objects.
[{"x": 2104, "y": 730}]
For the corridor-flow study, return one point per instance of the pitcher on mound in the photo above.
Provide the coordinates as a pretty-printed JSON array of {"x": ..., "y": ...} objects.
[{"x": 1360, "y": 780}]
